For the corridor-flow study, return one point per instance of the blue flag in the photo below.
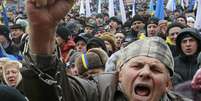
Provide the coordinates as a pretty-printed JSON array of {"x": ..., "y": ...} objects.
[
  {"x": 159, "y": 13},
  {"x": 9, "y": 56},
  {"x": 151, "y": 7},
  {"x": 4, "y": 14}
]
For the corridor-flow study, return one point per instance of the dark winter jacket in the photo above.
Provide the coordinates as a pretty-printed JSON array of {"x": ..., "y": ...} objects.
[{"x": 186, "y": 65}]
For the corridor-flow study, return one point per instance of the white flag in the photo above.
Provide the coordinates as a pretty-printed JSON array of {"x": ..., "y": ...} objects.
[
  {"x": 111, "y": 8},
  {"x": 82, "y": 10},
  {"x": 171, "y": 5},
  {"x": 122, "y": 10},
  {"x": 88, "y": 8},
  {"x": 99, "y": 6},
  {"x": 133, "y": 9},
  {"x": 198, "y": 16}
]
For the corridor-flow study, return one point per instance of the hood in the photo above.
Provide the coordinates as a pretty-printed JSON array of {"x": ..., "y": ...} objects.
[{"x": 191, "y": 32}]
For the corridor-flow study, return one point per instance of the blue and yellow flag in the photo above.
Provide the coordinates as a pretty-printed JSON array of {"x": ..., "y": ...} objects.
[{"x": 159, "y": 13}]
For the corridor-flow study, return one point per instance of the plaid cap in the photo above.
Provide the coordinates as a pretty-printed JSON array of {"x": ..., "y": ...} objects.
[{"x": 154, "y": 47}]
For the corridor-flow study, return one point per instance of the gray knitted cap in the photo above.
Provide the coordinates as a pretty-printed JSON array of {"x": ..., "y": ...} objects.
[{"x": 154, "y": 47}]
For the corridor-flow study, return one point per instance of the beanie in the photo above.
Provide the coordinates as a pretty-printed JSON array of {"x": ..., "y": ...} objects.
[
  {"x": 63, "y": 32},
  {"x": 154, "y": 47}
]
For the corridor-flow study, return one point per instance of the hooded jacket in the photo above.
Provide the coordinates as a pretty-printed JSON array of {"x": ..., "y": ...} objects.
[{"x": 185, "y": 65}]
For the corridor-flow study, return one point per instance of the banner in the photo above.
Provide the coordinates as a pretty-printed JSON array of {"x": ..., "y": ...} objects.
[
  {"x": 82, "y": 10},
  {"x": 198, "y": 16},
  {"x": 122, "y": 10},
  {"x": 133, "y": 9},
  {"x": 99, "y": 6},
  {"x": 111, "y": 8},
  {"x": 88, "y": 8},
  {"x": 171, "y": 5},
  {"x": 159, "y": 13}
]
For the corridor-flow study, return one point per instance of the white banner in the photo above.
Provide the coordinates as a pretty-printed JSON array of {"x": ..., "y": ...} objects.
[
  {"x": 99, "y": 6},
  {"x": 122, "y": 10},
  {"x": 133, "y": 9},
  {"x": 198, "y": 16},
  {"x": 82, "y": 10},
  {"x": 111, "y": 8},
  {"x": 88, "y": 8}
]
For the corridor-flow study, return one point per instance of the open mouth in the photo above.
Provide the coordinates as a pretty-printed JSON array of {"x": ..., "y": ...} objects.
[{"x": 142, "y": 90}]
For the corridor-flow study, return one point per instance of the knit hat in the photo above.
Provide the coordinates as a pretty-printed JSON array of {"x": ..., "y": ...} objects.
[
  {"x": 137, "y": 18},
  {"x": 116, "y": 20},
  {"x": 10, "y": 94},
  {"x": 94, "y": 58},
  {"x": 63, "y": 32},
  {"x": 4, "y": 31},
  {"x": 153, "y": 20},
  {"x": 96, "y": 43},
  {"x": 154, "y": 47},
  {"x": 78, "y": 38},
  {"x": 110, "y": 38}
]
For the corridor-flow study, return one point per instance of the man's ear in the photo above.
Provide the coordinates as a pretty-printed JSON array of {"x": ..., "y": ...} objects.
[{"x": 169, "y": 84}]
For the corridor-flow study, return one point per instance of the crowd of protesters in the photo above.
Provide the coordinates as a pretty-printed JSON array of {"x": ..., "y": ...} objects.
[{"x": 90, "y": 49}]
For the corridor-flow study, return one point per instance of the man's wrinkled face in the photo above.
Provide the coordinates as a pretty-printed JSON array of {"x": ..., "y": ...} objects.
[
  {"x": 189, "y": 45},
  {"x": 144, "y": 79},
  {"x": 152, "y": 30},
  {"x": 173, "y": 33},
  {"x": 137, "y": 26}
]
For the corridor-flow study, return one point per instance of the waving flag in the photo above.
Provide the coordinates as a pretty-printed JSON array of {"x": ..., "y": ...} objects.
[
  {"x": 171, "y": 5},
  {"x": 111, "y": 8},
  {"x": 159, "y": 13},
  {"x": 82, "y": 10},
  {"x": 133, "y": 9},
  {"x": 122, "y": 10},
  {"x": 198, "y": 16},
  {"x": 88, "y": 8},
  {"x": 4, "y": 12},
  {"x": 151, "y": 7},
  {"x": 99, "y": 6},
  {"x": 4, "y": 54}
]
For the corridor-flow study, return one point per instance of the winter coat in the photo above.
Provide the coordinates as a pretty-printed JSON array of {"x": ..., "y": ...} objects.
[
  {"x": 44, "y": 79},
  {"x": 186, "y": 67}
]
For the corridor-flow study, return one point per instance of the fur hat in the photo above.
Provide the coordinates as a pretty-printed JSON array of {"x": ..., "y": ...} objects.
[
  {"x": 94, "y": 58},
  {"x": 110, "y": 38},
  {"x": 154, "y": 47}
]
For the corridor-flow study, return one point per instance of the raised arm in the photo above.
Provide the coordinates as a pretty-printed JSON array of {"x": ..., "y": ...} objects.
[{"x": 43, "y": 16}]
